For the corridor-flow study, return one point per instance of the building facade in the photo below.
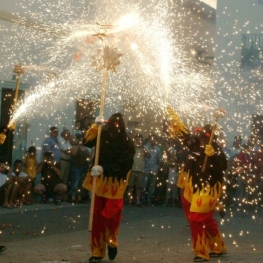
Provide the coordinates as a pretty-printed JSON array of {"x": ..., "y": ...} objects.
[{"x": 239, "y": 66}]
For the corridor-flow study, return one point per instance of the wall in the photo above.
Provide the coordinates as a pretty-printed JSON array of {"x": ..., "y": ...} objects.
[{"x": 241, "y": 91}]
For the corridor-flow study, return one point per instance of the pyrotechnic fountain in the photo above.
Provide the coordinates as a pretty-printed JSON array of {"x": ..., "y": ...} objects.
[{"x": 154, "y": 66}]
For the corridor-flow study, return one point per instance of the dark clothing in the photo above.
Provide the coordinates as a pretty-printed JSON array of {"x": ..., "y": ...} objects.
[
  {"x": 257, "y": 157},
  {"x": 3, "y": 188},
  {"x": 198, "y": 202},
  {"x": 80, "y": 159},
  {"x": 116, "y": 157},
  {"x": 116, "y": 154},
  {"x": 215, "y": 166},
  {"x": 244, "y": 160},
  {"x": 78, "y": 168},
  {"x": 49, "y": 178}
]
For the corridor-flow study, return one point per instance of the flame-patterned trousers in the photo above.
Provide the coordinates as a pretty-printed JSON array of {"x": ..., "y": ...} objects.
[
  {"x": 105, "y": 225},
  {"x": 206, "y": 236}
]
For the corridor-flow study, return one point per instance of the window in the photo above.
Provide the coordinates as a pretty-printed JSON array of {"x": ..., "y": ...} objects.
[{"x": 251, "y": 52}]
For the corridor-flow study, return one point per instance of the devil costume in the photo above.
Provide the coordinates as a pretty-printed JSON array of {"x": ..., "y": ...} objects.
[
  {"x": 116, "y": 158},
  {"x": 200, "y": 197},
  {"x": 202, "y": 188}
]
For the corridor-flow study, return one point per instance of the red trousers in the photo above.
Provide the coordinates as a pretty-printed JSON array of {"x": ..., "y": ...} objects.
[
  {"x": 105, "y": 225},
  {"x": 206, "y": 236}
]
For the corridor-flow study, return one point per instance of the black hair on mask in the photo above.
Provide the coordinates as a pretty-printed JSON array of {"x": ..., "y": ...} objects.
[
  {"x": 116, "y": 124},
  {"x": 207, "y": 131}
]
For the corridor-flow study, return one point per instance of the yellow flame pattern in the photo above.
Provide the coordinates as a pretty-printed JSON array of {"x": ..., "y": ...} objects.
[
  {"x": 91, "y": 133},
  {"x": 205, "y": 200},
  {"x": 108, "y": 187},
  {"x": 2, "y": 138},
  {"x": 177, "y": 128},
  {"x": 98, "y": 247}
]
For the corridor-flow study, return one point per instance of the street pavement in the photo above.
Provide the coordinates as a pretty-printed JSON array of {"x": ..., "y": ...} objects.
[{"x": 49, "y": 233}]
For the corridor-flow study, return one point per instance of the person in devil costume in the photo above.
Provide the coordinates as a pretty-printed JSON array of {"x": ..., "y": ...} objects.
[
  {"x": 201, "y": 193},
  {"x": 202, "y": 188},
  {"x": 115, "y": 163}
]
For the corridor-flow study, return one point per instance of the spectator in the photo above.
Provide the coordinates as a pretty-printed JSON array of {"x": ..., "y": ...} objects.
[
  {"x": 80, "y": 156},
  {"x": 86, "y": 124},
  {"x": 257, "y": 157},
  {"x": 252, "y": 141},
  {"x": 226, "y": 196},
  {"x": 171, "y": 187},
  {"x": 132, "y": 134},
  {"x": 231, "y": 176},
  {"x": 161, "y": 180},
  {"x": 8, "y": 189},
  {"x": 31, "y": 163},
  {"x": 51, "y": 144},
  {"x": 258, "y": 145},
  {"x": 243, "y": 170},
  {"x": 78, "y": 128},
  {"x": 24, "y": 184},
  {"x": 137, "y": 176},
  {"x": 51, "y": 186},
  {"x": 151, "y": 168},
  {"x": 236, "y": 148},
  {"x": 65, "y": 150}
]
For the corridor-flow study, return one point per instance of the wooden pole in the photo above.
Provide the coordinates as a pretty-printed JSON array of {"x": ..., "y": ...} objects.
[
  {"x": 97, "y": 151},
  {"x": 17, "y": 88},
  {"x": 210, "y": 143}
]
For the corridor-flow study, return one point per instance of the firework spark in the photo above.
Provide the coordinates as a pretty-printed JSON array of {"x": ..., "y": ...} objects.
[{"x": 155, "y": 70}]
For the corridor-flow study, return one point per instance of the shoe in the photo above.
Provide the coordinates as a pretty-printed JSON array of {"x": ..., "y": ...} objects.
[
  {"x": 43, "y": 199},
  {"x": 50, "y": 200},
  {"x": 148, "y": 204},
  {"x": 57, "y": 201},
  {"x": 199, "y": 259},
  {"x": 2, "y": 248},
  {"x": 8, "y": 206},
  {"x": 112, "y": 252},
  {"x": 18, "y": 204},
  {"x": 216, "y": 255},
  {"x": 95, "y": 259},
  {"x": 73, "y": 201}
]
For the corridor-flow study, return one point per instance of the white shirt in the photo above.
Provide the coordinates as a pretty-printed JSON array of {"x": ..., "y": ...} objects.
[
  {"x": 21, "y": 174},
  {"x": 172, "y": 175},
  {"x": 139, "y": 160},
  {"x": 3, "y": 178},
  {"x": 63, "y": 146}
]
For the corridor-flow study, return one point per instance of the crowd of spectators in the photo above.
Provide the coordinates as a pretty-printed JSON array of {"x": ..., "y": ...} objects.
[
  {"x": 57, "y": 177},
  {"x": 153, "y": 180},
  {"x": 163, "y": 157}
]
